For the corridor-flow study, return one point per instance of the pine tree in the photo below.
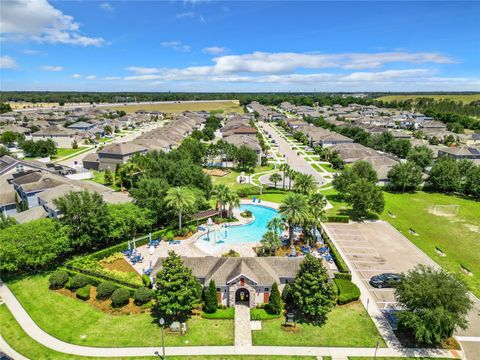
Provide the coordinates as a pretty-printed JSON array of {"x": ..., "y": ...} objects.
[
  {"x": 177, "y": 290},
  {"x": 108, "y": 176},
  {"x": 275, "y": 305},
  {"x": 211, "y": 300},
  {"x": 313, "y": 293}
]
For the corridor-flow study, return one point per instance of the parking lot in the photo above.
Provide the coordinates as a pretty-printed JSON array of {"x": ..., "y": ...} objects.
[{"x": 372, "y": 248}]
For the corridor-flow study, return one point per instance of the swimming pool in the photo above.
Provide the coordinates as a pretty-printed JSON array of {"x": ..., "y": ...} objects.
[{"x": 251, "y": 232}]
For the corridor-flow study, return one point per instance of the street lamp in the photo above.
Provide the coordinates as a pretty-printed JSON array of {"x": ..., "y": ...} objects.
[{"x": 162, "y": 322}]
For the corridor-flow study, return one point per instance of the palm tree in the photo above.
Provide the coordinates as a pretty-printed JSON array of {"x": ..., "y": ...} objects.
[
  {"x": 292, "y": 174},
  {"x": 233, "y": 201},
  {"x": 276, "y": 225},
  {"x": 180, "y": 199},
  {"x": 304, "y": 184},
  {"x": 221, "y": 193},
  {"x": 275, "y": 177},
  {"x": 294, "y": 210},
  {"x": 285, "y": 168},
  {"x": 270, "y": 242},
  {"x": 316, "y": 211}
]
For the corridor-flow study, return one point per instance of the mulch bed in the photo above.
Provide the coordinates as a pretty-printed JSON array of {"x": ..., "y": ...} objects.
[
  {"x": 216, "y": 172},
  {"x": 119, "y": 265}
]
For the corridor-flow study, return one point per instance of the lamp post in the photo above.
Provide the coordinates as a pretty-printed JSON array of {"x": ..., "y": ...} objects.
[{"x": 162, "y": 322}]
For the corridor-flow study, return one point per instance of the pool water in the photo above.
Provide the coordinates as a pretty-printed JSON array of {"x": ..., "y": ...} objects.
[{"x": 247, "y": 233}]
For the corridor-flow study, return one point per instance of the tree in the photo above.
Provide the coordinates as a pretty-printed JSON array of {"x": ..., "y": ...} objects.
[
  {"x": 434, "y": 302},
  {"x": 233, "y": 201},
  {"x": 445, "y": 175},
  {"x": 276, "y": 225},
  {"x": 292, "y": 175},
  {"x": 275, "y": 305},
  {"x": 304, "y": 184},
  {"x": 6, "y": 221},
  {"x": 108, "y": 176},
  {"x": 74, "y": 144},
  {"x": 285, "y": 168},
  {"x": 316, "y": 211},
  {"x": 128, "y": 219},
  {"x": 246, "y": 158},
  {"x": 364, "y": 197},
  {"x": 33, "y": 246},
  {"x": 294, "y": 211},
  {"x": 313, "y": 292},
  {"x": 178, "y": 291},
  {"x": 221, "y": 193},
  {"x": 472, "y": 182},
  {"x": 4, "y": 108},
  {"x": 150, "y": 193},
  {"x": 181, "y": 199},
  {"x": 4, "y": 151},
  {"x": 275, "y": 178},
  {"x": 287, "y": 298},
  {"x": 404, "y": 177},
  {"x": 87, "y": 217},
  {"x": 108, "y": 129},
  {"x": 211, "y": 298},
  {"x": 421, "y": 155},
  {"x": 270, "y": 242},
  {"x": 359, "y": 170}
]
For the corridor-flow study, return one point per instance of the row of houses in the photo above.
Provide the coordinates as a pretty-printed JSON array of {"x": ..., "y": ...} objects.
[
  {"x": 28, "y": 188},
  {"x": 238, "y": 131}
]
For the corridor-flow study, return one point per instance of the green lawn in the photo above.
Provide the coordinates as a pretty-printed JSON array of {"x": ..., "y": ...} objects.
[
  {"x": 76, "y": 322},
  {"x": 99, "y": 178},
  {"x": 457, "y": 236},
  {"x": 231, "y": 179},
  {"x": 327, "y": 167},
  {"x": 223, "y": 106},
  {"x": 351, "y": 319},
  {"x": 25, "y": 345},
  {"x": 63, "y": 152},
  {"x": 465, "y": 98},
  {"x": 394, "y": 358}
]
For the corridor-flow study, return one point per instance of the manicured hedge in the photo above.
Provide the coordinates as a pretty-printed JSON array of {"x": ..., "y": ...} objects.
[
  {"x": 120, "y": 297},
  {"x": 58, "y": 279},
  {"x": 342, "y": 267},
  {"x": 347, "y": 291},
  {"x": 105, "y": 289},
  {"x": 147, "y": 281},
  {"x": 142, "y": 296},
  {"x": 344, "y": 276},
  {"x": 228, "y": 313},
  {"x": 77, "y": 281},
  {"x": 338, "y": 218},
  {"x": 84, "y": 292}
]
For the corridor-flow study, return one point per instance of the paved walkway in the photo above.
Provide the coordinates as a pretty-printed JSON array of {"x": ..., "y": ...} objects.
[
  {"x": 243, "y": 331},
  {"x": 34, "y": 331}
]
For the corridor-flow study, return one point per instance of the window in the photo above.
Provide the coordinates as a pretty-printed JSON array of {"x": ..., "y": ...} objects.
[{"x": 266, "y": 289}]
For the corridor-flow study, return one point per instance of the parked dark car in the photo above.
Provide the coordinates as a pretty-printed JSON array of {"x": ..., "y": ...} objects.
[{"x": 386, "y": 280}]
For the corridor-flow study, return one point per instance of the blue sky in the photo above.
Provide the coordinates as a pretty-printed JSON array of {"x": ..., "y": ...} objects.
[{"x": 240, "y": 46}]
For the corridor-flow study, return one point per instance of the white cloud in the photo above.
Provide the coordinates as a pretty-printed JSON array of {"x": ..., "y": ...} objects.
[
  {"x": 106, "y": 6},
  {"x": 176, "y": 45},
  {"x": 111, "y": 78},
  {"x": 7, "y": 62},
  {"x": 31, "y": 52},
  {"x": 39, "y": 21},
  {"x": 142, "y": 70},
  {"x": 215, "y": 50},
  {"x": 191, "y": 15},
  {"x": 91, "y": 77},
  {"x": 76, "y": 76},
  {"x": 52, "y": 68}
]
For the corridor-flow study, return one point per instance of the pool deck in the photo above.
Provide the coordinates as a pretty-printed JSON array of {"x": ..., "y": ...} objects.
[{"x": 191, "y": 247}]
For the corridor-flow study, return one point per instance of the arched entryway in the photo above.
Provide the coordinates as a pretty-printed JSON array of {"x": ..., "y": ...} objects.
[{"x": 242, "y": 296}]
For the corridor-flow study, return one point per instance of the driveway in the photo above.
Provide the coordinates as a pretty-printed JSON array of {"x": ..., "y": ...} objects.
[
  {"x": 372, "y": 248},
  {"x": 295, "y": 161}
]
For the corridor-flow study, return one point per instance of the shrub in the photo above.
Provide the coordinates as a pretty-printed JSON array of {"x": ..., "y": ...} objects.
[
  {"x": 170, "y": 235},
  {"x": 275, "y": 305},
  {"x": 262, "y": 314},
  {"x": 58, "y": 279},
  {"x": 211, "y": 298},
  {"x": 77, "y": 281},
  {"x": 338, "y": 218},
  {"x": 147, "y": 281},
  {"x": 344, "y": 276},
  {"x": 120, "y": 297},
  {"x": 192, "y": 228},
  {"x": 347, "y": 291},
  {"x": 105, "y": 289},
  {"x": 142, "y": 295},
  {"x": 181, "y": 232},
  {"x": 83, "y": 293},
  {"x": 342, "y": 267}
]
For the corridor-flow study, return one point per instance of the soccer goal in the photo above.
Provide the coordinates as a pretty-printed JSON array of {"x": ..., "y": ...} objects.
[{"x": 446, "y": 210}]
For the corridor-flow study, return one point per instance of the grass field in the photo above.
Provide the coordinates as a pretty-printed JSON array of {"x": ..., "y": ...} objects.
[
  {"x": 225, "y": 106},
  {"x": 465, "y": 98},
  {"x": 25, "y": 345},
  {"x": 62, "y": 152},
  {"x": 76, "y": 322},
  {"x": 457, "y": 236},
  {"x": 361, "y": 330}
]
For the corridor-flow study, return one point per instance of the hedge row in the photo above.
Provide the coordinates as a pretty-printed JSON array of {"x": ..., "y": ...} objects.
[
  {"x": 342, "y": 267},
  {"x": 343, "y": 276},
  {"x": 347, "y": 291},
  {"x": 338, "y": 218}
]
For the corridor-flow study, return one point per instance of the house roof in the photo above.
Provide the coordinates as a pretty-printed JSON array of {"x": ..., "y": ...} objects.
[
  {"x": 54, "y": 130},
  {"x": 35, "y": 213},
  {"x": 126, "y": 148}
]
